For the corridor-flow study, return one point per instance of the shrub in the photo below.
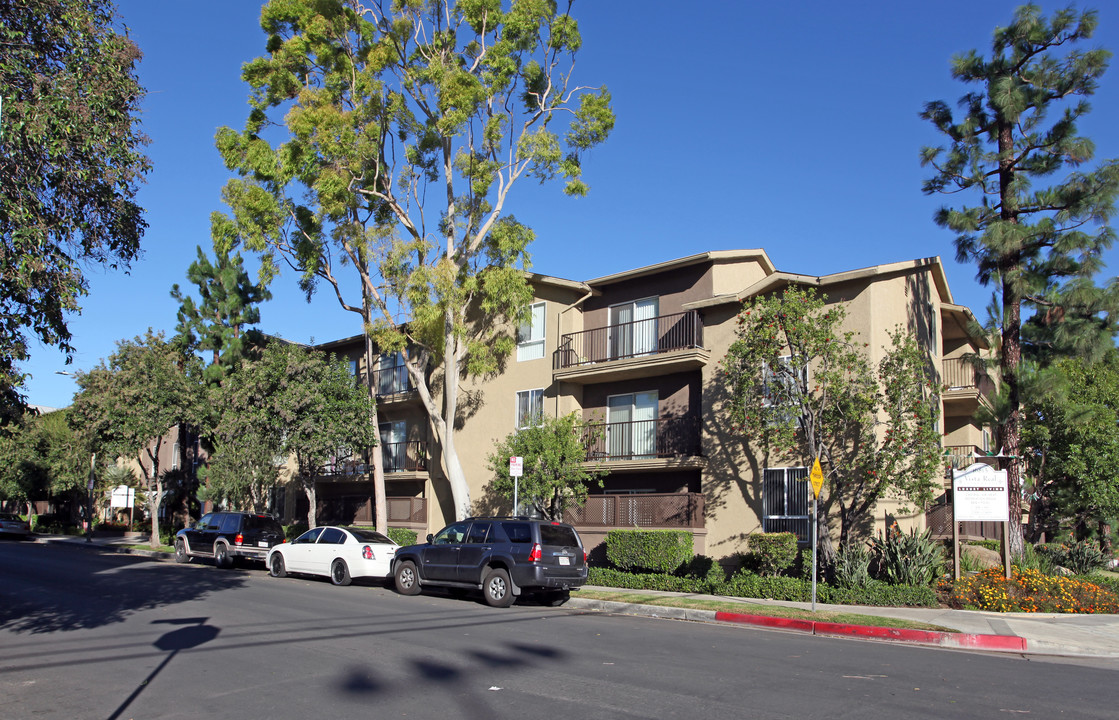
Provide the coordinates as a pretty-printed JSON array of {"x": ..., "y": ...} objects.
[
  {"x": 912, "y": 558},
  {"x": 653, "y": 550},
  {"x": 1032, "y": 591},
  {"x": 294, "y": 530},
  {"x": 609, "y": 577},
  {"x": 1083, "y": 557},
  {"x": 851, "y": 566},
  {"x": 989, "y": 544},
  {"x": 704, "y": 568},
  {"x": 402, "y": 536},
  {"x": 770, "y": 553},
  {"x": 878, "y": 594},
  {"x": 1033, "y": 559},
  {"x": 747, "y": 584}
]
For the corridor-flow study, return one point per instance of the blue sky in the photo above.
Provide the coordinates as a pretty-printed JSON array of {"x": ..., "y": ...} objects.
[{"x": 788, "y": 126}]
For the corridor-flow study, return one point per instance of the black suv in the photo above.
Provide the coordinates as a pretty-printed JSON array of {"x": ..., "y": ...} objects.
[
  {"x": 502, "y": 556},
  {"x": 226, "y": 536}
]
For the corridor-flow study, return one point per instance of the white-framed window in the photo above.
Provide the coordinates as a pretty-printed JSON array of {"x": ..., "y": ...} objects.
[
  {"x": 786, "y": 501},
  {"x": 631, "y": 425},
  {"x": 633, "y": 328},
  {"x": 530, "y": 408},
  {"x": 530, "y": 335}
]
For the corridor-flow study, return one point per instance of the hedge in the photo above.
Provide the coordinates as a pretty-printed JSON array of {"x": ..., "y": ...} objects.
[
  {"x": 652, "y": 550},
  {"x": 402, "y": 536}
]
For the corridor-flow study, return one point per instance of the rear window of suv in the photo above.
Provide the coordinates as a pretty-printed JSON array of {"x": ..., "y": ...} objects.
[
  {"x": 558, "y": 535},
  {"x": 261, "y": 522}
]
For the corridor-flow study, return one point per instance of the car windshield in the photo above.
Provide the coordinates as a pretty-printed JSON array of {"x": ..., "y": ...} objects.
[{"x": 369, "y": 536}]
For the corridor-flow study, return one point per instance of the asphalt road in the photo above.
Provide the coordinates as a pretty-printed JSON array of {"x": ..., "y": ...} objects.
[{"x": 86, "y": 634}]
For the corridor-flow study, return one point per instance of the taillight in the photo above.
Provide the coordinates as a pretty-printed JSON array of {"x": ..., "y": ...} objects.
[
  {"x": 536, "y": 553},
  {"x": 367, "y": 552},
  {"x": 584, "y": 556},
  {"x": 239, "y": 539}
]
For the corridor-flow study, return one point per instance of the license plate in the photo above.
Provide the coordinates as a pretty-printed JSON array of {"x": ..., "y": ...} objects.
[
  {"x": 262, "y": 544},
  {"x": 564, "y": 560}
]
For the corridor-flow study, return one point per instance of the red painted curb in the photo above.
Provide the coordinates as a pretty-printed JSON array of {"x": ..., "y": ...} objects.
[{"x": 1006, "y": 643}]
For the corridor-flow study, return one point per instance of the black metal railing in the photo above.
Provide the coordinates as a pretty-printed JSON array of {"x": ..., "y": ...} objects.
[
  {"x": 391, "y": 381},
  {"x": 642, "y": 439},
  {"x": 408, "y": 456},
  {"x": 666, "y": 333}
]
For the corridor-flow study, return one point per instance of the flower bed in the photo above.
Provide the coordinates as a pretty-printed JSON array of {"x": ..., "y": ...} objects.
[{"x": 1031, "y": 591}]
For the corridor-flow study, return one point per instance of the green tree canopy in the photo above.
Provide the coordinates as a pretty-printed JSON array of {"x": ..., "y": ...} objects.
[
  {"x": 1039, "y": 224},
  {"x": 220, "y": 321},
  {"x": 555, "y": 473},
  {"x": 127, "y": 404},
  {"x": 407, "y": 128},
  {"x": 70, "y": 165},
  {"x": 1072, "y": 445},
  {"x": 801, "y": 388},
  {"x": 40, "y": 458}
]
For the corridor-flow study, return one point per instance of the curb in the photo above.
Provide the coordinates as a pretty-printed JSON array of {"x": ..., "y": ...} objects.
[{"x": 957, "y": 640}]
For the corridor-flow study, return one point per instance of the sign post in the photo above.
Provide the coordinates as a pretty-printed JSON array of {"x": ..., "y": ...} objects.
[
  {"x": 816, "y": 477},
  {"x": 516, "y": 470},
  {"x": 979, "y": 493}
]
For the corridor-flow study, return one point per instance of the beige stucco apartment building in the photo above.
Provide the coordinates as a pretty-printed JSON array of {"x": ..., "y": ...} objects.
[{"x": 639, "y": 352}]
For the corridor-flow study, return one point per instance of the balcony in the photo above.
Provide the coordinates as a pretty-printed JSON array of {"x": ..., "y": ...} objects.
[
  {"x": 963, "y": 385},
  {"x": 393, "y": 384},
  {"x": 665, "y": 443},
  {"x": 404, "y": 457},
  {"x": 661, "y": 510},
  {"x": 358, "y": 510},
  {"x": 642, "y": 348}
]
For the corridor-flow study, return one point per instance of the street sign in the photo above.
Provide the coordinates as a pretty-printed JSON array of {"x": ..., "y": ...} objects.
[
  {"x": 816, "y": 477},
  {"x": 516, "y": 466}
]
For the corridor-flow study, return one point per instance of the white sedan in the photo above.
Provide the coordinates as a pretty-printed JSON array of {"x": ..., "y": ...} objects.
[{"x": 340, "y": 553}]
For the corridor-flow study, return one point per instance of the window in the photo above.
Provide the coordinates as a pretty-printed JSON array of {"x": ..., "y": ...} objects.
[
  {"x": 479, "y": 532},
  {"x": 530, "y": 336},
  {"x": 332, "y": 536},
  {"x": 631, "y": 425},
  {"x": 633, "y": 328},
  {"x": 781, "y": 387},
  {"x": 530, "y": 408},
  {"x": 176, "y": 452},
  {"x": 392, "y": 375},
  {"x": 786, "y": 500}
]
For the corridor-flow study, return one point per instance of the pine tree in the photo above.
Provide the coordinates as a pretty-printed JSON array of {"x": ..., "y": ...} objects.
[{"x": 1040, "y": 226}]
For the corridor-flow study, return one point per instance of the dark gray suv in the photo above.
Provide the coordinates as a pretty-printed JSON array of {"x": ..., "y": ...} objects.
[
  {"x": 504, "y": 557},
  {"x": 227, "y": 536}
]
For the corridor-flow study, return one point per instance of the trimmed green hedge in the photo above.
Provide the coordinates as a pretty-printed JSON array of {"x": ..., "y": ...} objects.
[
  {"x": 746, "y": 584},
  {"x": 653, "y": 550},
  {"x": 402, "y": 536},
  {"x": 771, "y": 553}
]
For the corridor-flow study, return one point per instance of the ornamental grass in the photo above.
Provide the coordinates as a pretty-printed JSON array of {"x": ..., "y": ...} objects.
[{"x": 1031, "y": 591}]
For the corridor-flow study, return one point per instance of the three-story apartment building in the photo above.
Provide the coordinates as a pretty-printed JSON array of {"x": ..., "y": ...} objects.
[{"x": 637, "y": 354}]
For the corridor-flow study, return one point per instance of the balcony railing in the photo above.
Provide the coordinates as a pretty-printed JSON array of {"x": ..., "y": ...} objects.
[
  {"x": 391, "y": 381},
  {"x": 960, "y": 374},
  {"x": 666, "y": 333},
  {"x": 358, "y": 510},
  {"x": 643, "y": 439},
  {"x": 676, "y": 510},
  {"x": 404, "y": 456}
]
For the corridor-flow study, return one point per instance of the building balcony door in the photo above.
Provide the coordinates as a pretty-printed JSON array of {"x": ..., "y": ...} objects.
[{"x": 631, "y": 427}]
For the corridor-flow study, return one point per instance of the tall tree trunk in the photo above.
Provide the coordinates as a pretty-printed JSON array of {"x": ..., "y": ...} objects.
[
  {"x": 380, "y": 500},
  {"x": 312, "y": 500}
]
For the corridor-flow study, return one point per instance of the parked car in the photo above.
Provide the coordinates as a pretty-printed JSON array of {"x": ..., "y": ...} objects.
[
  {"x": 504, "y": 557},
  {"x": 340, "y": 553},
  {"x": 14, "y": 525},
  {"x": 228, "y": 536}
]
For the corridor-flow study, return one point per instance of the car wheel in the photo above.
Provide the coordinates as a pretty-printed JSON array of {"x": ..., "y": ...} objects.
[
  {"x": 555, "y": 599},
  {"x": 276, "y": 566},
  {"x": 497, "y": 588},
  {"x": 221, "y": 555},
  {"x": 181, "y": 552},
  {"x": 339, "y": 573},
  {"x": 406, "y": 579}
]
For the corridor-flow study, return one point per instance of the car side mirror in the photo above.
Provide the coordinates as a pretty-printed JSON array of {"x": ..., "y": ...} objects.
[{"x": 429, "y": 536}]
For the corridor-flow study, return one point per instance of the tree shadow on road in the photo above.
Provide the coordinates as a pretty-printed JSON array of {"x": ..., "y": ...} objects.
[{"x": 49, "y": 588}]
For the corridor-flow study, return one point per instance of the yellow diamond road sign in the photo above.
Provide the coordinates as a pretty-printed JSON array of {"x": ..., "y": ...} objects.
[{"x": 817, "y": 478}]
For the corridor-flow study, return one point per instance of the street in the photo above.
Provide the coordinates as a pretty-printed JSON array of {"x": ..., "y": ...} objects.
[{"x": 89, "y": 634}]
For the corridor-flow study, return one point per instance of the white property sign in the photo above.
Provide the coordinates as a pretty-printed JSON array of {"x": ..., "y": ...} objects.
[
  {"x": 979, "y": 493},
  {"x": 122, "y": 497}
]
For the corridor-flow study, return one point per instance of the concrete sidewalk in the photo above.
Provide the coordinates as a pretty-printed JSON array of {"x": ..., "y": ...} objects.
[{"x": 1022, "y": 633}]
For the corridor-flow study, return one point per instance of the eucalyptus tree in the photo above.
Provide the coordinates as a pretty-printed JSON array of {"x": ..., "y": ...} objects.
[
  {"x": 71, "y": 162},
  {"x": 405, "y": 127},
  {"x": 1039, "y": 222}
]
